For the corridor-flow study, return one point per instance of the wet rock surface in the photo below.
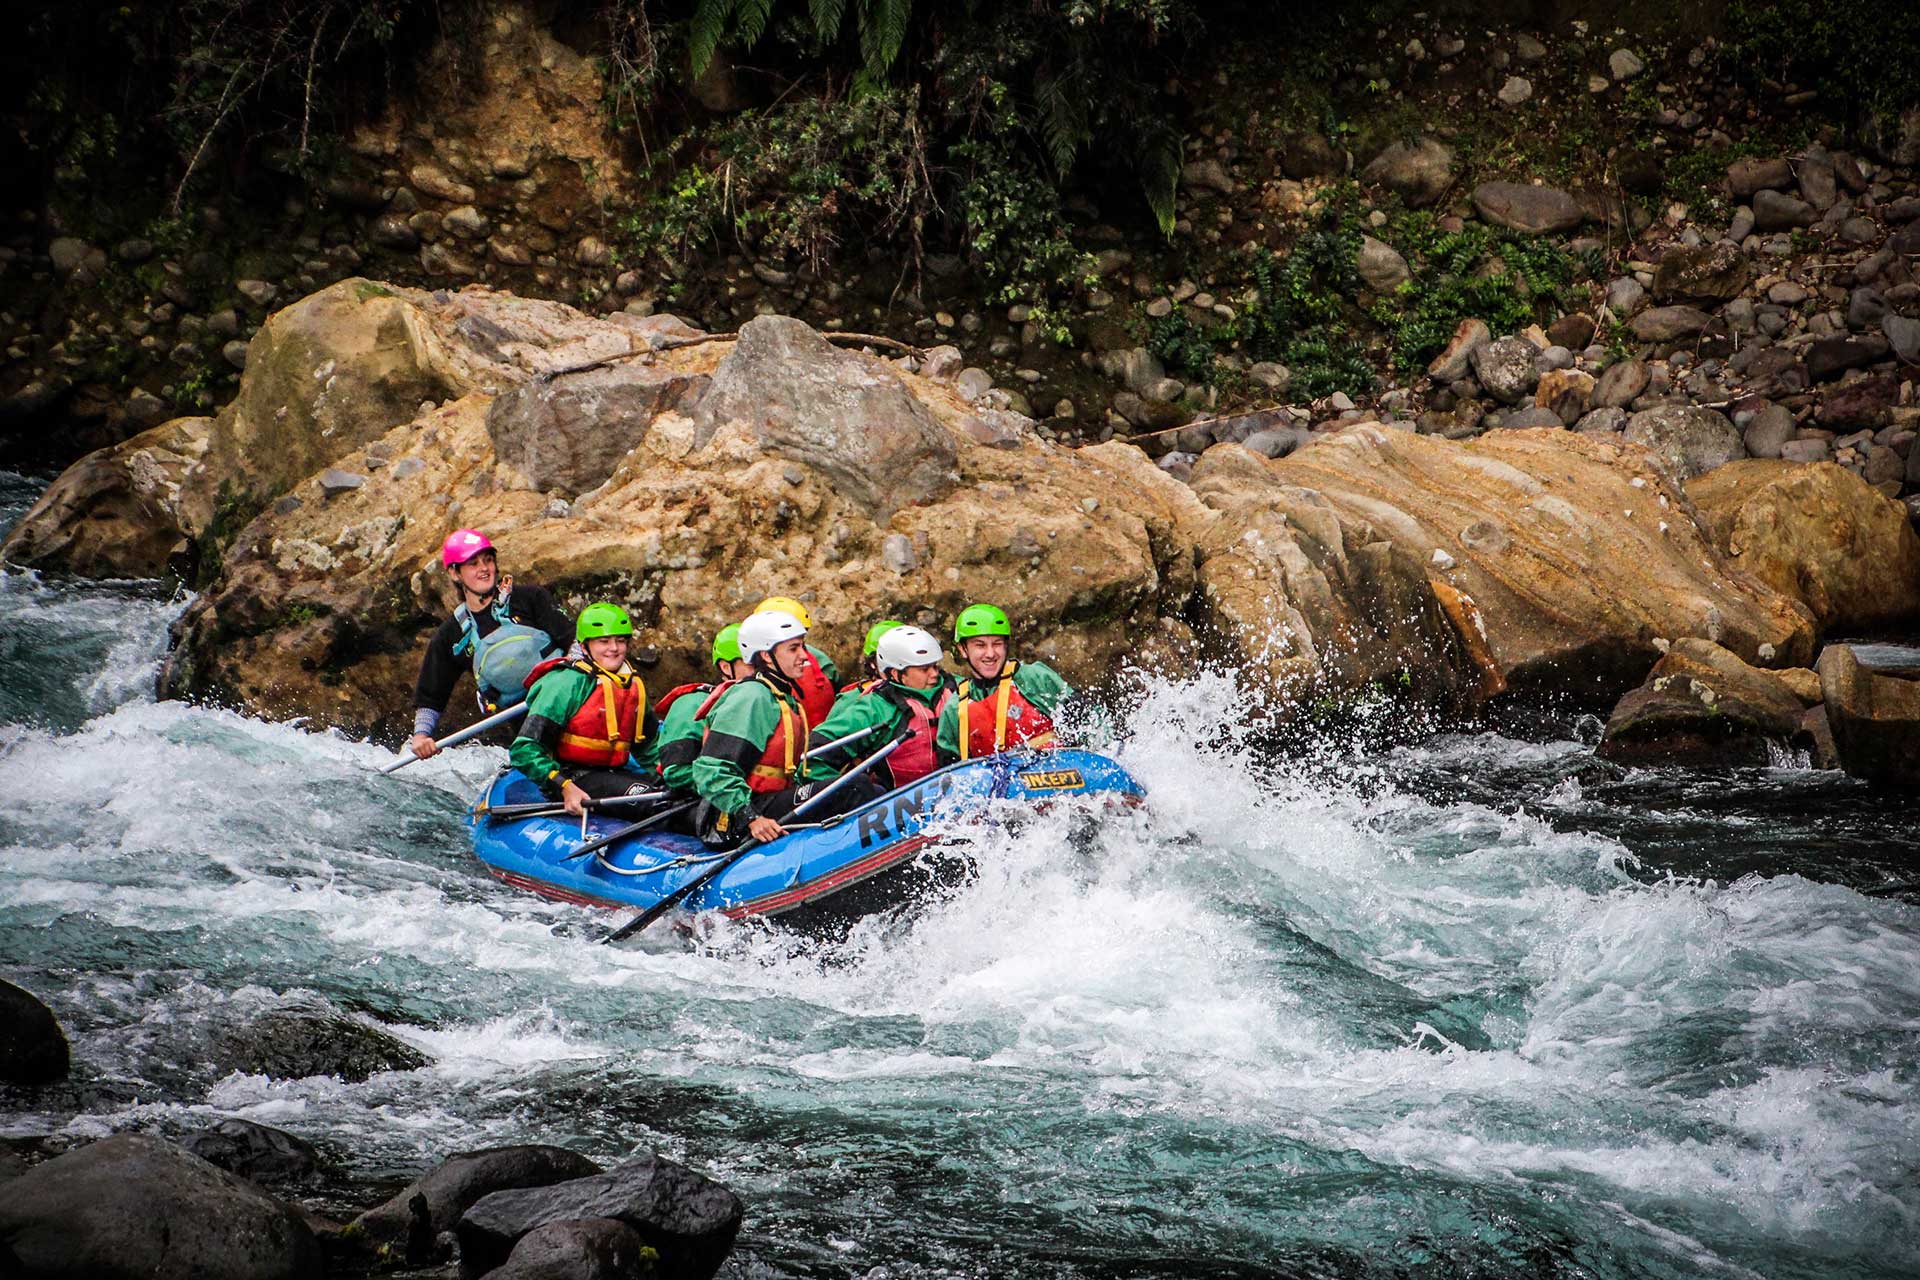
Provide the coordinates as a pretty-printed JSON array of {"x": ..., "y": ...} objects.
[{"x": 33, "y": 1048}]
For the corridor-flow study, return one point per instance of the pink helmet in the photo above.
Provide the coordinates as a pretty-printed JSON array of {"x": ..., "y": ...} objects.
[{"x": 463, "y": 545}]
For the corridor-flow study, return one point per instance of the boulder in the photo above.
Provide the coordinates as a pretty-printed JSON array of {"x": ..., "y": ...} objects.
[
  {"x": 1745, "y": 177},
  {"x": 848, "y": 417},
  {"x": 1506, "y": 368},
  {"x": 120, "y": 512},
  {"x": 253, "y": 1151},
  {"x": 1533, "y": 210},
  {"x": 1875, "y": 719},
  {"x": 1665, "y": 324},
  {"x": 1380, "y": 265},
  {"x": 1705, "y": 274},
  {"x": 1620, "y": 384},
  {"x": 1456, "y": 361},
  {"x": 1566, "y": 392},
  {"x": 1830, "y": 357},
  {"x": 579, "y": 1249},
  {"x": 434, "y": 1203},
  {"x": 689, "y": 1220},
  {"x": 569, "y": 432},
  {"x": 1530, "y": 418},
  {"x": 132, "y": 1206},
  {"x": 1687, "y": 440},
  {"x": 1772, "y": 427},
  {"x": 1702, "y": 706},
  {"x": 33, "y": 1049},
  {"x": 1775, "y": 212},
  {"x": 1419, "y": 173},
  {"x": 294, "y": 1042},
  {"x": 1818, "y": 534},
  {"x": 1557, "y": 566}
]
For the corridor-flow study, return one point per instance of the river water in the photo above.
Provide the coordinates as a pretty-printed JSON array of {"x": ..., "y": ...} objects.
[{"x": 1477, "y": 1006}]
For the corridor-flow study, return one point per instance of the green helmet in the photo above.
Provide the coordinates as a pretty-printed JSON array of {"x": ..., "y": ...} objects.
[
  {"x": 726, "y": 645},
  {"x": 602, "y": 619},
  {"x": 980, "y": 620},
  {"x": 874, "y": 633}
]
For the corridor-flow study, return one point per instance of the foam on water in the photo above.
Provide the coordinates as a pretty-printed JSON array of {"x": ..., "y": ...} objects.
[{"x": 1314, "y": 1012}]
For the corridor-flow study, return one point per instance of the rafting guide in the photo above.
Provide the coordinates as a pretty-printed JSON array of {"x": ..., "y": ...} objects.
[{"x": 497, "y": 631}]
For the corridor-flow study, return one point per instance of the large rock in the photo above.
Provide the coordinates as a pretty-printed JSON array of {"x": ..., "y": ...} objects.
[
  {"x": 1456, "y": 361},
  {"x": 688, "y": 1219},
  {"x": 1704, "y": 274},
  {"x": 295, "y": 1042},
  {"x": 252, "y": 1150},
  {"x": 1380, "y": 265},
  {"x": 1773, "y": 211},
  {"x": 1702, "y": 706},
  {"x": 1665, "y": 324},
  {"x": 33, "y": 1049},
  {"x": 570, "y": 432},
  {"x": 1529, "y": 560},
  {"x": 1506, "y": 368},
  {"x": 1818, "y": 533},
  {"x": 1534, "y": 210},
  {"x": 1689, "y": 440},
  {"x": 434, "y": 1203},
  {"x": 1875, "y": 718},
  {"x": 130, "y": 1207},
  {"x": 584, "y": 1249},
  {"x": 118, "y": 512},
  {"x": 1745, "y": 177},
  {"x": 321, "y": 602},
  {"x": 1419, "y": 173}
]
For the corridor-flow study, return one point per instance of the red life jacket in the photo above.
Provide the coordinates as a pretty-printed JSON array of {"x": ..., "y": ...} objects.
[
  {"x": 816, "y": 691},
  {"x": 602, "y": 730},
  {"x": 1002, "y": 719},
  {"x": 786, "y": 751},
  {"x": 915, "y": 758},
  {"x": 674, "y": 695}
]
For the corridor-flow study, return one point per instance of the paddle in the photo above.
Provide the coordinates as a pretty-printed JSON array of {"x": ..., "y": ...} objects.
[
  {"x": 548, "y": 808},
  {"x": 632, "y": 829},
  {"x": 621, "y": 833},
  {"x": 455, "y": 739},
  {"x": 699, "y": 882}
]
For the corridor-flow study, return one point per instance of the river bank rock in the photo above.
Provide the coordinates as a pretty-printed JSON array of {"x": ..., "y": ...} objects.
[
  {"x": 1531, "y": 561},
  {"x": 254, "y": 1151},
  {"x": 582, "y": 1249},
  {"x": 1818, "y": 533},
  {"x": 408, "y": 1224},
  {"x": 1875, "y": 718},
  {"x": 132, "y": 1206},
  {"x": 690, "y": 1221},
  {"x": 33, "y": 1049},
  {"x": 1702, "y": 706}
]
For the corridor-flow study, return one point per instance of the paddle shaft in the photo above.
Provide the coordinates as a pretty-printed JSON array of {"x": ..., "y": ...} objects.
[
  {"x": 548, "y": 808},
  {"x": 455, "y": 739},
  {"x": 633, "y": 828},
  {"x": 601, "y": 842},
  {"x": 699, "y": 882}
]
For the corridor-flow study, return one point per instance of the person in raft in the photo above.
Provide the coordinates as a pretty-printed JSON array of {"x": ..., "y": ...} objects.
[
  {"x": 752, "y": 766},
  {"x": 906, "y": 701},
  {"x": 500, "y": 632},
  {"x": 1000, "y": 704},
  {"x": 681, "y": 728},
  {"x": 816, "y": 684},
  {"x": 869, "y": 661},
  {"x": 589, "y": 733}
]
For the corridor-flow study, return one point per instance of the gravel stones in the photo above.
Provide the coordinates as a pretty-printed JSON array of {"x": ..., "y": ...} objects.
[
  {"x": 1665, "y": 324},
  {"x": 1380, "y": 265},
  {"x": 1506, "y": 369},
  {"x": 1770, "y": 430},
  {"x": 1689, "y": 440},
  {"x": 1533, "y": 210},
  {"x": 1773, "y": 211},
  {"x": 1745, "y": 177},
  {"x": 1706, "y": 274},
  {"x": 1456, "y": 361},
  {"x": 1419, "y": 173}
]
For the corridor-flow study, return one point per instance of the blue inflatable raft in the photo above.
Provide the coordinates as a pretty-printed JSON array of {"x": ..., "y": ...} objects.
[{"x": 856, "y": 860}]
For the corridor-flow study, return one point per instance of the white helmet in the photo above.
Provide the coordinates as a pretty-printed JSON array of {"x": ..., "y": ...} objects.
[
  {"x": 762, "y": 631},
  {"x": 905, "y": 647}
]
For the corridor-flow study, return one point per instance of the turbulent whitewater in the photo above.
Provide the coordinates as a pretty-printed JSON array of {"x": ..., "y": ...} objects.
[{"x": 1477, "y": 1006}]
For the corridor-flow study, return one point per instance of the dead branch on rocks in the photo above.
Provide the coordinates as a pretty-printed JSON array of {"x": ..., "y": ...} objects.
[{"x": 681, "y": 344}]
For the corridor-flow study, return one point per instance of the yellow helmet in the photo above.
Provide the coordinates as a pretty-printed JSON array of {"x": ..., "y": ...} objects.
[{"x": 786, "y": 604}]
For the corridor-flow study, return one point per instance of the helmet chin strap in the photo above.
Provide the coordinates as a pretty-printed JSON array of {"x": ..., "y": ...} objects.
[{"x": 772, "y": 671}]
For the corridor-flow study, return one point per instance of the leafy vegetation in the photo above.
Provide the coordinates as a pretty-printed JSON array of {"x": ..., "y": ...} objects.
[{"x": 1855, "y": 52}]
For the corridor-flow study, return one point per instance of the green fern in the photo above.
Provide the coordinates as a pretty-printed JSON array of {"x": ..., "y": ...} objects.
[
  {"x": 1159, "y": 166},
  {"x": 826, "y": 15},
  {"x": 750, "y": 19},
  {"x": 1063, "y": 122},
  {"x": 883, "y": 30},
  {"x": 705, "y": 31}
]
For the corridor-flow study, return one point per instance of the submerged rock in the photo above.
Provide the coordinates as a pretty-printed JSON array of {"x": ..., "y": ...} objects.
[
  {"x": 689, "y": 1220},
  {"x": 582, "y": 1249},
  {"x": 434, "y": 1203},
  {"x": 33, "y": 1049},
  {"x": 253, "y": 1150},
  {"x": 131, "y": 1206},
  {"x": 295, "y": 1042}
]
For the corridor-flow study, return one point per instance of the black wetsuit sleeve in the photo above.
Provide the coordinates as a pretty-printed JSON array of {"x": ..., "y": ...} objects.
[
  {"x": 535, "y": 607},
  {"x": 440, "y": 671},
  {"x": 737, "y": 751}
]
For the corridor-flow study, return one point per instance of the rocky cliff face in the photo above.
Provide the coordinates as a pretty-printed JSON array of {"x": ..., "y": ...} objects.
[{"x": 688, "y": 474}]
